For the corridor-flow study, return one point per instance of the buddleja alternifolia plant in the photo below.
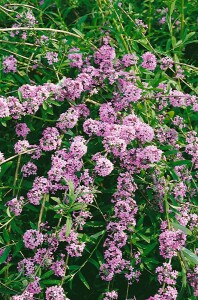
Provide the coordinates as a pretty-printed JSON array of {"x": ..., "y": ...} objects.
[{"x": 99, "y": 151}]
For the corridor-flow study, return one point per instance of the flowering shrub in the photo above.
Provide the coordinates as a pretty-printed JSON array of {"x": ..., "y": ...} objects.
[{"x": 99, "y": 154}]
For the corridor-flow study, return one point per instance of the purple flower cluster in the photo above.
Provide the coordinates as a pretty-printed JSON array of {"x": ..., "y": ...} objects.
[
  {"x": 10, "y": 64},
  {"x": 40, "y": 187},
  {"x": 193, "y": 280},
  {"x": 123, "y": 145},
  {"x": 32, "y": 239},
  {"x": 166, "y": 274},
  {"x": 75, "y": 57},
  {"x": 171, "y": 241},
  {"x": 55, "y": 293},
  {"x": 52, "y": 57},
  {"x": 149, "y": 61},
  {"x": 104, "y": 166},
  {"x": 25, "y": 296},
  {"x": 22, "y": 130},
  {"x": 125, "y": 210},
  {"x": 74, "y": 247},
  {"x": 50, "y": 139},
  {"x": 29, "y": 169},
  {"x": 113, "y": 295},
  {"x": 165, "y": 63},
  {"x": 16, "y": 205}
]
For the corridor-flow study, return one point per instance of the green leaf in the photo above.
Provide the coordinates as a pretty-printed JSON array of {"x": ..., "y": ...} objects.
[
  {"x": 6, "y": 235},
  {"x": 145, "y": 238},
  {"x": 172, "y": 7},
  {"x": 181, "y": 162},
  {"x": 5, "y": 268},
  {"x": 78, "y": 32},
  {"x": 47, "y": 274},
  {"x": 71, "y": 195},
  {"x": 149, "y": 248},
  {"x": 56, "y": 199},
  {"x": 182, "y": 228},
  {"x": 5, "y": 254},
  {"x": 96, "y": 235},
  {"x": 17, "y": 248},
  {"x": 51, "y": 282},
  {"x": 68, "y": 225},
  {"x": 5, "y": 167},
  {"x": 188, "y": 36},
  {"x": 82, "y": 278},
  {"x": 190, "y": 255},
  {"x": 95, "y": 263},
  {"x": 173, "y": 173},
  {"x": 77, "y": 206}
]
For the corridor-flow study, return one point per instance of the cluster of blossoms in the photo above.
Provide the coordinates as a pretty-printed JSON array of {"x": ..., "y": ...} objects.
[
  {"x": 141, "y": 24},
  {"x": 22, "y": 130},
  {"x": 149, "y": 61},
  {"x": 16, "y": 205},
  {"x": 162, "y": 11},
  {"x": 166, "y": 274},
  {"x": 75, "y": 57},
  {"x": 32, "y": 239},
  {"x": 125, "y": 210},
  {"x": 52, "y": 57},
  {"x": 166, "y": 62},
  {"x": 171, "y": 241},
  {"x": 25, "y": 296},
  {"x": 111, "y": 295},
  {"x": 39, "y": 189},
  {"x": 125, "y": 142},
  {"x": 186, "y": 218},
  {"x": 10, "y": 64},
  {"x": 25, "y": 19},
  {"x": 168, "y": 293},
  {"x": 104, "y": 166},
  {"x": 50, "y": 139},
  {"x": 55, "y": 292},
  {"x": 193, "y": 280},
  {"x": 29, "y": 169},
  {"x": 74, "y": 247}
]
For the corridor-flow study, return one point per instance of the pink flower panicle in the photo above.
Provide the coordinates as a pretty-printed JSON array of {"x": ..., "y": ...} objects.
[
  {"x": 149, "y": 61},
  {"x": 51, "y": 139},
  {"x": 55, "y": 293},
  {"x": 166, "y": 274},
  {"x": 75, "y": 57},
  {"x": 104, "y": 166},
  {"x": 192, "y": 277},
  {"x": 113, "y": 295},
  {"x": 25, "y": 296},
  {"x": 40, "y": 187},
  {"x": 10, "y": 64},
  {"x": 29, "y": 169},
  {"x": 52, "y": 57},
  {"x": 22, "y": 130},
  {"x": 32, "y": 239},
  {"x": 16, "y": 205},
  {"x": 171, "y": 241}
]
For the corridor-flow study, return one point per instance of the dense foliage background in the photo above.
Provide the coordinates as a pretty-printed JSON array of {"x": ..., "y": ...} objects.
[{"x": 98, "y": 150}]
